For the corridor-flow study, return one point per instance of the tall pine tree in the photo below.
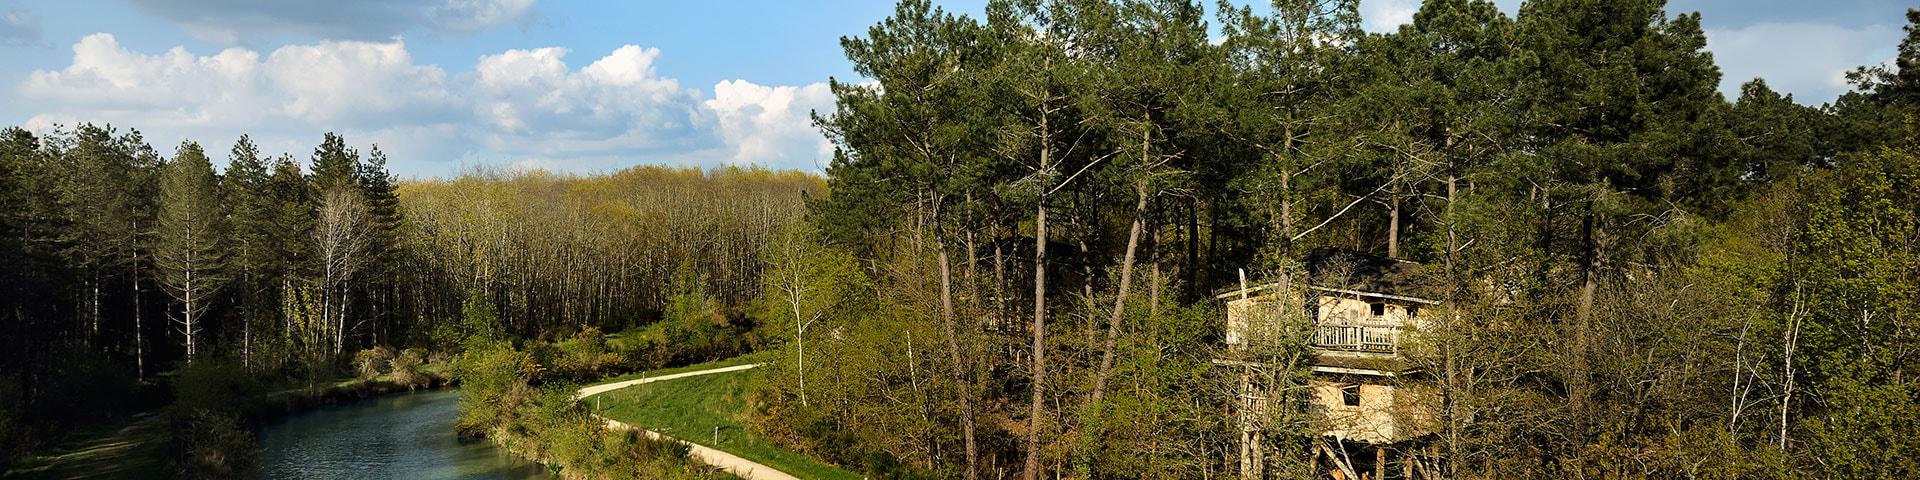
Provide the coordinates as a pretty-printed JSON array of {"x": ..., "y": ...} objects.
[{"x": 191, "y": 250}]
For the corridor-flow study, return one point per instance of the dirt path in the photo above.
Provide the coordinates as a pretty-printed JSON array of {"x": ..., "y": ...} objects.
[
  {"x": 739, "y": 467},
  {"x": 132, "y": 451},
  {"x": 608, "y": 387}
]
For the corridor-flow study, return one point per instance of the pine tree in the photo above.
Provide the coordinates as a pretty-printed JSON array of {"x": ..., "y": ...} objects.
[
  {"x": 255, "y": 259},
  {"x": 290, "y": 212},
  {"x": 191, "y": 250},
  {"x": 1615, "y": 96},
  {"x": 335, "y": 165},
  {"x": 383, "y": 204}
]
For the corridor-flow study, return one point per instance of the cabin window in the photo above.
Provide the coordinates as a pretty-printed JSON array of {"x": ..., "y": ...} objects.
[
  {"x": 1350, "y": 395},
  {"x": 1378, "y": 308},
  {"x": 1413, "y": 311}
]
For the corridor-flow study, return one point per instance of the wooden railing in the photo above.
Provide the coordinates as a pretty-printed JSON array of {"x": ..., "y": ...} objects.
[{"x": 1374, "y": 335}]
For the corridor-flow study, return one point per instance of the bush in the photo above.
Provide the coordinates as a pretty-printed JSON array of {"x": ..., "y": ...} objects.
[
  {"x": 209, "y": 438},
  {"x": 498, "y": 399},
  {"x": 369, "y": 362},
  {"x": 584, "y": 357},
  {"x": 405, "y": 368},
  {"x": 495, "y": 383},
  {"x": 213, "y": 444}
]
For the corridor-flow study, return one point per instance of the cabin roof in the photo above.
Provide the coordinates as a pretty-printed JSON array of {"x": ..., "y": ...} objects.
[{"x": 1365, "y": 272}]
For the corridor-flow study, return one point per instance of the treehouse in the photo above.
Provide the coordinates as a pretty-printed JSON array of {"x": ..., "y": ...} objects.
[{"x": 1354, "y": 313}]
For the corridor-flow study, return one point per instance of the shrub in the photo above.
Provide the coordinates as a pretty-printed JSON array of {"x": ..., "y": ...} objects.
[
  {"x": 405, "y": 368},
  {"x": 495, "y": 384},
  {"x": 586, "y": 356},
  {"x": 369, "y": 362},
  {"x": 213, "y": 444},
  {"x": 209, "y": 438}
]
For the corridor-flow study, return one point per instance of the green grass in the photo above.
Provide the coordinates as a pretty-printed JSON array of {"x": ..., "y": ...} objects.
[
  {"x": 740, "y": 360},
  {"x": 689, "y": 409}
]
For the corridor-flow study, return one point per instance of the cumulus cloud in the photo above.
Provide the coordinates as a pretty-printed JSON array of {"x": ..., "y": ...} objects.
[
  {"x": 532, "y": 103},
  {"x": 1809, "y": 60},
  {"x": 236, "y": 21},
  {"x": 522, "y": 107},
  {"x": 1381, "y": 16},
  {"x": 771, "y": 124},
  {"x": 19, "y": 27},
  {"x": 365, "y": 83}
]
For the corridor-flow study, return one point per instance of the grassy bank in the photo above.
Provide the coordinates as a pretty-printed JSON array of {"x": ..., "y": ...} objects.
[{"x": 691, "y": 408}]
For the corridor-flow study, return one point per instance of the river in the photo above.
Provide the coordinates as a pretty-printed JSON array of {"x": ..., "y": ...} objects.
[{"x": 406, "y": 436}]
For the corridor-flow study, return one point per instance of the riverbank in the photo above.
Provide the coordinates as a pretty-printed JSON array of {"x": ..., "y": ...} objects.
[{"x": 141, "y": 446}]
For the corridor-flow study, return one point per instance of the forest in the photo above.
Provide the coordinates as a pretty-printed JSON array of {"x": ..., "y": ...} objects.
[
  {"x": 1010, "y": 267},
  {"x": 1639, "y": 277},
  {"x": 124, "y": 267}
]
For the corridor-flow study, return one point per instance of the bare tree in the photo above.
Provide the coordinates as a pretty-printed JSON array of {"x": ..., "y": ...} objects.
[{"x": 341, "y": 237}]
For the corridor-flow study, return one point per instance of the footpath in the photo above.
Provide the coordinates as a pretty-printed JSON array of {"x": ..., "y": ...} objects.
[{"x": 739, "y": 467}]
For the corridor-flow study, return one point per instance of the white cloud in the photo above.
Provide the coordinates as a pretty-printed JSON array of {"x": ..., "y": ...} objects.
[
  {"x": 364, "y": 83},
  {"x": 764, "y": 124},
  {"x": 355, "y": 81},
  {"x": 1381, "y": 16},
  {"x": 1809, "y": 60},
  {"x": 525, "y": 107},
  {"x": 536, "y": 105}
]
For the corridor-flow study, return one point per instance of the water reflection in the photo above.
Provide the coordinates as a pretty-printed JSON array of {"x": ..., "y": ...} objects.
[{"x": 406, "y": 436}]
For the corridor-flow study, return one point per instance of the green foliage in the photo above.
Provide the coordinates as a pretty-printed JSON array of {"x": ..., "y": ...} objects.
[
  {"x": 1164, "y": 361},
  {"x": 582, "y": 358},
  {"x": 209, "y": 435},
  {"x": 405, "y": 368},
  {"x": 192, "y": 250},
  {"x": 213, "y": 444},
  {"x": 496, "y": 385},
  {"x": 502, "y": 397},
  {"x": 369, "y": 362},
  {"x": 479, "y": 321}
]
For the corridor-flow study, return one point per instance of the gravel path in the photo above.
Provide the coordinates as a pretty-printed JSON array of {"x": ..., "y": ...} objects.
[{"x": 739, "y": 467}]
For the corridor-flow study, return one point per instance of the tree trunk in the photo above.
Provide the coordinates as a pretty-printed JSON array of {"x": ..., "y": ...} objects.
[
  {"x": 799, "y": 328},
  {"x": 1579, "y": 387},
  {"x": 189, "y": 314},
  {"x": 953, "y": 350},
  {"x": 1454, "y": 390},
  {"x": 1115, "y": 317},
  {"x": 1031, "y": 470},
  {"x": 1393, "y": 226},
  {"x": 1286, "y": 195}
]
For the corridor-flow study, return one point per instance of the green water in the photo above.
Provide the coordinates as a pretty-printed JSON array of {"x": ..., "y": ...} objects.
[{"x": 407, "y": 436}]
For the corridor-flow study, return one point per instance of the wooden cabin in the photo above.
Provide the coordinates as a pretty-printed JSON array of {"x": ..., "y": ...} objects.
[{"x": 1356, "y": 313}]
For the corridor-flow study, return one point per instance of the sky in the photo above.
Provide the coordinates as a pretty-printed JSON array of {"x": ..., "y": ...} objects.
[{"x": 443, "y": 86}]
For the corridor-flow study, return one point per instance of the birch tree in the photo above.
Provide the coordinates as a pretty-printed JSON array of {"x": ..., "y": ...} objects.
[{"x": 342, "y": 236}]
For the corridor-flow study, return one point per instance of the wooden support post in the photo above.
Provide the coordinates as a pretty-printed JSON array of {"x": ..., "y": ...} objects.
[
  {"x": 1406, "y": 464},
  {"x": 1380, "y": 462}
]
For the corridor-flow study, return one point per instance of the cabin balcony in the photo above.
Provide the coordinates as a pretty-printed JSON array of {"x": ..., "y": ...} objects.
[{"x": 1374, "y": 335}]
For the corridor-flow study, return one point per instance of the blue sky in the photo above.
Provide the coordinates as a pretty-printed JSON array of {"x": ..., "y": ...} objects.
[{"x": 595, "y": 86}]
